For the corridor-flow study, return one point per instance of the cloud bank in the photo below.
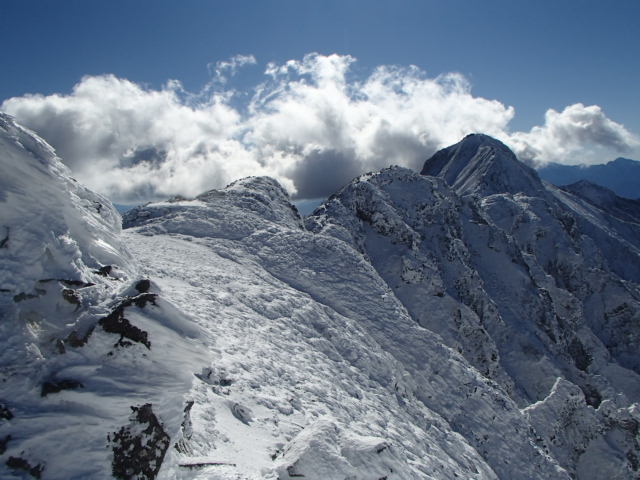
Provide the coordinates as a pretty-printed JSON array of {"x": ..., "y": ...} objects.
[{"x": 311, "y": 124}]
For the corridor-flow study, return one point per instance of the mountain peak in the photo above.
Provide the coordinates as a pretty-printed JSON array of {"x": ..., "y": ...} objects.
[
  {"x": 483, "y": 139},
  {"x": 482, "y": 165},
  {"x": 236, "y": 211},
  {"x": 621, "y": 161}
]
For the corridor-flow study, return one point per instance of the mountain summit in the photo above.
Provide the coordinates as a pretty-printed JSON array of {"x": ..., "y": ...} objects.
[{"x": 482, "y": 165}]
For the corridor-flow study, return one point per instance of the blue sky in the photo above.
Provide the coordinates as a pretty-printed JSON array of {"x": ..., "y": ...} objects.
[{"x": 529, "y": 55}]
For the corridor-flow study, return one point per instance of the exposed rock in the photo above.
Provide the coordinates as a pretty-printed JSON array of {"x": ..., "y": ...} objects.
[
  {"x": 4, "y": 243},
  {"x": 67, "y": 282},
  {"x": 143, "y": 286},
  {"x": 139, "y": 448},
  {"x": 18, "y": 463},
  {"x": 242, "y": 413},
  {"x": 5, "y": 412},
  {"x": 580, "y": 356},
  {"x": 55, "y": 386},
  {"x": 104, "y": 271},
  {"x": 22, "y": 296},
  {"x": 116, "y": 323},
  {"x": 76, "y": 340},
  {"x": 591, "y": 395},
  {"x": 71, "y": 296},
  {"x": 3, "y": 444},
  {"x": 186, "y": 430}
]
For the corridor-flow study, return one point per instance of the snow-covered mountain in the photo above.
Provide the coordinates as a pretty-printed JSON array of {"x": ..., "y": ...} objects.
[
  {"x": 469, "y": 323},
  {"x": 621, "y": 175}
]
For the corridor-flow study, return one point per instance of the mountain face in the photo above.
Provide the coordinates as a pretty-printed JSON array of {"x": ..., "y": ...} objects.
[
  {"x": 471, "y": 322},
  {"x": 537, "y": 287},
  {"x": 482, "y": 165},
  {"x": 621, "y": 175}
]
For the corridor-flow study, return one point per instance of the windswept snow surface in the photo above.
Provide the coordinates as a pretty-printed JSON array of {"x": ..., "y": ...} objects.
[
  {"x": 408, "y": 331},
  {"x": 337, "y": 380},
  {"x": 85, "y": 339}
]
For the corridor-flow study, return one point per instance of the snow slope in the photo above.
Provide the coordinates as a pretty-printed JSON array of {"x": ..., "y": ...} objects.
[
  {"x": 85, "y": 339},
  {"x": 321, "y": 352},
  {"x": 406, "y": 330},
  {"x": 530, "y": 283}
]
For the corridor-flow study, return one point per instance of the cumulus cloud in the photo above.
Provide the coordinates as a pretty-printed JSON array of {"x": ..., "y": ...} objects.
[
  {"x": 578, "y": 134},
  {"x": 310, "y": 124},
  {"x": 224, "y": 69}
]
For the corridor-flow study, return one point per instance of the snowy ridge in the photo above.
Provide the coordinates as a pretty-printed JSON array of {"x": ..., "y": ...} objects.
[
  {"x": 472, "y": 326},
  {"x": 86, "y": 342},
  {"x": 74, "y": 228},
  {"x": 233, "y": 213},
  {"x": 526, "y": 281}
]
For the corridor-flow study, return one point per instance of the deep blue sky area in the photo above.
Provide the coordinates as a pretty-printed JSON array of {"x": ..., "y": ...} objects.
[{"x": 533, "y": 55}]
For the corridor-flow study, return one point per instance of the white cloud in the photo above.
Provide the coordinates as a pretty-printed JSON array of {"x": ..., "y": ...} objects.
[
  {"x": 309, "y": 124},
  {"x": 578, "y": 134},
  {"x": 224, "y": 69}
]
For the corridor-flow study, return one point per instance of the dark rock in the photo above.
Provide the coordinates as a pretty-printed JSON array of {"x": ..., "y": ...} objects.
[
  {"x": 140, "y": 301},
  {"x": 115, "y": 322},
  {"x": 291, "y": 471},
  {"x": 630, "y": 426},
  {"x": 242, "y": 413},
  {"x": 68, "y": 283},
  {"x": 104, "y": 271},
  {"x": 18, "y": 463},
  {"x": 4, "y": 243},
  {"x": 3, "y": 444},
  {"x": 55, "y": 386},
  {"x": 382, "y": 447},
  {"x": 206, "y": 464},
  {"x": 77, "y": 283},
  {"x": 76, "y": 340},
  {"x": 591, "y": 395},
  {"x": 5, "y": 412},
  {"x": 182, "y": 445},
  {"x": 139, "y": 448},
  {"x": 22, "y": 296},
  {"x": 71, "y": 296},
  {"x": 143, "y": 286},
  {"x": 580, "y": 356}
]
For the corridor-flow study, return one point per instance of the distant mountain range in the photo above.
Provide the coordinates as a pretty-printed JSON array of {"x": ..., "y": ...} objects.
[{"x": 621, "y": 175}]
